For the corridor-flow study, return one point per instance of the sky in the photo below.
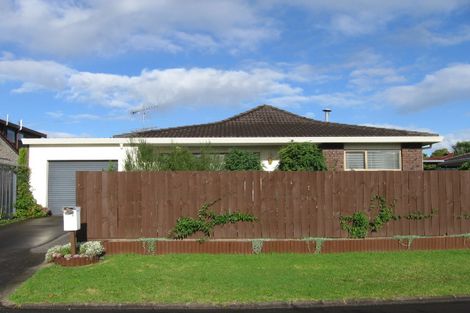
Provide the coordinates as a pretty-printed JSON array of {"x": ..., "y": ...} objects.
[{"x": 80, "y": 68}]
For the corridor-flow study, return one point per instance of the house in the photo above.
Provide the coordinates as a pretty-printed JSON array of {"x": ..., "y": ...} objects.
[
  {"x": 10, "y": 140},
  {"x": 264, "y": 130},
  {"x": 455, "y": 162},
  {"x": 434, "y": 161}
]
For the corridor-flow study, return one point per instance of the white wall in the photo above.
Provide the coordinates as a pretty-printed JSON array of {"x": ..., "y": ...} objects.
[{"x": 39, "y": 156}]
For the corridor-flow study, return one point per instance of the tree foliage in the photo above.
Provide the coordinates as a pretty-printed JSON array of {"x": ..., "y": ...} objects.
[
  {"x": 145, "y": 157},
  {"x": 461, "y": 147},
  {"x": 241, "y": 160},
  {"x": 26, "y": 205},
  {"x": 440, "y": 152},
  {"x": 301, "y": 157}
]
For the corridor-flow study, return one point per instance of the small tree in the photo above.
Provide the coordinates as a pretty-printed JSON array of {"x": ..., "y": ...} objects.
[
  {"x": 461, "y": 147},
  {"x": 241, "y": 160},
  {"x": 26, "y": 205},
  {"x": 303, "y": 156}
]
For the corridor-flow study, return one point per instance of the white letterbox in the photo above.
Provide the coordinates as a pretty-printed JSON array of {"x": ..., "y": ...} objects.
[{"x": 71, "y": 218}]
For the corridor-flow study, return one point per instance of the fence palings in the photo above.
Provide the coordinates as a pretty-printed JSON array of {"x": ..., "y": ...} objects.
[{"x": 288, "y": 205}]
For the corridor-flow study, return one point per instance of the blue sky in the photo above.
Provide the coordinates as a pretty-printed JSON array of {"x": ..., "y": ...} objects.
[{"x": 77, "y": 68}]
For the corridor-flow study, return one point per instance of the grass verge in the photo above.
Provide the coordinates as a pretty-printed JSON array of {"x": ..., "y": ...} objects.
[{"x": 221, "y": 279}]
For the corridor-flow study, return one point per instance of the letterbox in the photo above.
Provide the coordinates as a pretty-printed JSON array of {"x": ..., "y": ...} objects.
[{"x": 71, "y": 218}]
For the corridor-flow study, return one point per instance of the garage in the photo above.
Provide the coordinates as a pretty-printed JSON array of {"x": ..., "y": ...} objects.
[{"x": 61, "y": 182}]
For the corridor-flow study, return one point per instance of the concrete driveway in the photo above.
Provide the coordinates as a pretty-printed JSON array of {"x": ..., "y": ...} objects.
[{"x": 22, "y": 248}]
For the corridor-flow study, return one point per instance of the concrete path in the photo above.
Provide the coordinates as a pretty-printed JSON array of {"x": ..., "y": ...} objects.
[{"x": 23, "y": 246}]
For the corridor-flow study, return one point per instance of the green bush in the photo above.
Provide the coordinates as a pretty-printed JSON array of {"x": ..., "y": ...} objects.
[
  {"x": 26, "y": 205},
  {"x": 301, "y": 157},
  {"x": 241, "y": 160},
  {"x": 461, "y": 147},
  {"x": 357, "y": 225}
]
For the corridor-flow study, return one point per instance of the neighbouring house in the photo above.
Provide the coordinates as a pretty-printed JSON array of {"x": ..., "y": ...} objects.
[
  {"x": 435, "y": 161},
  {"x": 264, "y": 130},
  {"x": 455, "y": 162},
  {"x": 10, "y": 140}
]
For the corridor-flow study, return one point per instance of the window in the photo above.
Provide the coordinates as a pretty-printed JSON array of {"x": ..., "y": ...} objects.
[
  {"x": 373, "y": 160},
  {"x": 11, "y": 135}
]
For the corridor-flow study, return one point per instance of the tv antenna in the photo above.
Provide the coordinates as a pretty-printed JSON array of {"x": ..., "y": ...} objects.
[{"x": 144, "y": 111}]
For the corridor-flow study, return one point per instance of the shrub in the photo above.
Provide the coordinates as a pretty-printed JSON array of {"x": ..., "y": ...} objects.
[
  {"x": 241, "y": 160},
  {"x": 301, "y": 157},
  {"x": 26, "y": 205},
  {"x": 356, "y": 225},
  {"x": 91, "y": 249}
]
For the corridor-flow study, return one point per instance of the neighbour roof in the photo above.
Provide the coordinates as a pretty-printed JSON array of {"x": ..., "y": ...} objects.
[
  {"x": 23, "y": 129},
  {"x": 438, "y": 159},
  {"x": 268, "y": 121},
  {"x": 456, "y": 161}
]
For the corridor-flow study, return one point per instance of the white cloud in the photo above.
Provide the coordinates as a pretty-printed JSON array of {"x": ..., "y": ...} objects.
[
  {"x": 445, "y": 86},
  {"x": 452, "y": 138},
  {"x": 107, "y": 27},
  {"x": 35, "y": 75},
  {"x": 165, "y": 88}
]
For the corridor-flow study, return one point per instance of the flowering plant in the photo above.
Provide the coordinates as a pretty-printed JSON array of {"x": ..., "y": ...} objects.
[{"x": 88, "y": 249}]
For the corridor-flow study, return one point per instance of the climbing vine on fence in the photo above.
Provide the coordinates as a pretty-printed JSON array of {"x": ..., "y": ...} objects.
[
  {"x": 358, "y": 225},
  {"x": 206, "y": 221}
]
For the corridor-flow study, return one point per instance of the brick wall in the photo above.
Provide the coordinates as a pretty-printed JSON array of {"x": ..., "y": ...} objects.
[
  {"x": 412, "y": 157},
  {"x": 334, "y": 156}
]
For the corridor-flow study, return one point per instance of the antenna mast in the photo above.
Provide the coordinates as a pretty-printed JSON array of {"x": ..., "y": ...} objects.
[{"x": 144, "y": 110}]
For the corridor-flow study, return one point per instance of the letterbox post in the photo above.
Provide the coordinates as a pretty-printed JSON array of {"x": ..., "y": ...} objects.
[{"x": 71, "y": 225}]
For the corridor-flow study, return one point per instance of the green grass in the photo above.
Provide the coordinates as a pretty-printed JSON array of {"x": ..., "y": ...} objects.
[
  {"x": 7, "y": 221},
  {"x": 221, "y": 279}
]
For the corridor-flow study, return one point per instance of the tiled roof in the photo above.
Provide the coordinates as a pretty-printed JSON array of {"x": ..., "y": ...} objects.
[{"x": 268, "y": 121}]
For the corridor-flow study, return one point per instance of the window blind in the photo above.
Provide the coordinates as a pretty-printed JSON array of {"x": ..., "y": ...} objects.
[
  {"x": 355, "y": 160},
  {"x": 383, "y": 159}
]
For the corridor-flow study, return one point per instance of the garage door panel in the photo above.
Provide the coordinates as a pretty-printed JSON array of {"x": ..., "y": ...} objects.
[{"x": 61, "y": 182}]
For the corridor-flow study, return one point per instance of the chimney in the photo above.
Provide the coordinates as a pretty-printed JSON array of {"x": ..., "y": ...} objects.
[{"x": 327, "y": 114}]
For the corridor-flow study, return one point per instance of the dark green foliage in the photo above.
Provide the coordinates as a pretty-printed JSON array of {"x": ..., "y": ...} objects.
[
  {"x": 440, "y": 152},
  {"x": 145, "y": 157},
  {"x": 465, "y": 166},
  {"x": 461, "y": 147},
  {"x": 301, "y": 157},
  {"x": 358, "y": 225},
  {"x": 418, "y": 215},
  {"x": 26, "y": 205},
  {"x": 206, "y": 221},
  {"x": 241, "y": 160}
]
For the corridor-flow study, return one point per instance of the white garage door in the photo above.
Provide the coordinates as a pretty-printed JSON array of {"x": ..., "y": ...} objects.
[{"x": 61, "y": 182}]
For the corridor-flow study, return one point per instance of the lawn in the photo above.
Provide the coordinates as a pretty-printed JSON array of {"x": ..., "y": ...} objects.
[
  {"x": 12, "y": 220},
  {"x": 221, "y": 279}
]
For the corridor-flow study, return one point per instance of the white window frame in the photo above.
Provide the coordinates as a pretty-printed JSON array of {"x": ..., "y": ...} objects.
[{"x": 366, "y": 162}]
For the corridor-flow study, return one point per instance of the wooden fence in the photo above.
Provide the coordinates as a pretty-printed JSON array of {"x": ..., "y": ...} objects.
[
  {"x": 7, "y": 190},
  {"x": 288, "y": 205}
]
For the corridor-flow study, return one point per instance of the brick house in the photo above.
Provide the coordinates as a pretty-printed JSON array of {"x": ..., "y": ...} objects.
[{"x": 263, "y": 130}]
